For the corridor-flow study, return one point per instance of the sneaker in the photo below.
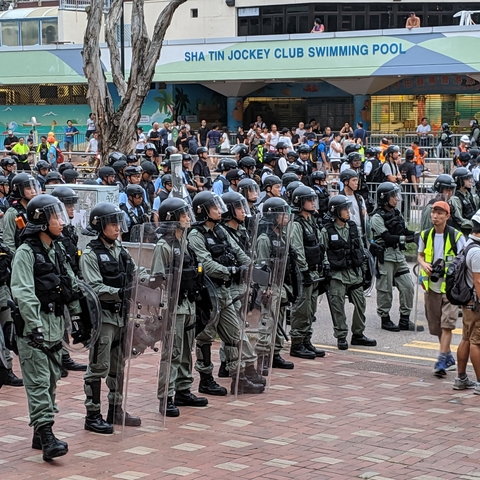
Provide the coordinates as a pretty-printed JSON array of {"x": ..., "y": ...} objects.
[
  {"x": 463, "y": 384},
  {"x": 450, "y": 363},
  {"x": 440, "y": 369},
  {"x": 476, "y": 391}
]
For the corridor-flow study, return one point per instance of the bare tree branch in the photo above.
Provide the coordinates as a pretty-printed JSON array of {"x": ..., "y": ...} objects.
[
  {"x": 112, "y": 20},
  {"x": 141, "y": 46}
]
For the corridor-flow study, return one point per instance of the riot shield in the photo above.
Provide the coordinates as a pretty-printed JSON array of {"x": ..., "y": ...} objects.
[
  {"x": 369, "y": 274},
  {"x": 82, "y": 330},
  {"x": 150, "y": 325},
  {"x": 267, "y": 296}
]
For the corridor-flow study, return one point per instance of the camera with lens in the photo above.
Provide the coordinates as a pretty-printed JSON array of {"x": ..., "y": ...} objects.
[{"x": 438, "y": 270}]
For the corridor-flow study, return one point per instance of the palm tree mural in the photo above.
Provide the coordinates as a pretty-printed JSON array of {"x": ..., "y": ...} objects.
[
  {"x": 221, "y": 102},
  {"x": 181, "y": 101},
  {"x": 165, "y": 104}
]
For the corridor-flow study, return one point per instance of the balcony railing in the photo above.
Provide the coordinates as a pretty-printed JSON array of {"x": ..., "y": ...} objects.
[{"x": 80, "y": 5}]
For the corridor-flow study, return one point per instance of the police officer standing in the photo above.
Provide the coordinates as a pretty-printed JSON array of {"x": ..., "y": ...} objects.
[
  {"x": 42, "y": 285},
  {"x": 444, "y": 187},
  {"x": 135, "y": 213},
  {"x": 221, "y": 184},
  {"x": 391, "y": 235},
  {"x": 108, "y": 268},
  {"x": 346, "y": 258},
  {"x": 201, "y": 172},
  {"x": 250, "y": 191},
  {"x": 319, "y": 185},
  {"x": 463, "y": 203},
  {"x": 181, "y": 378},
  {"x": 306, "y": 242}
]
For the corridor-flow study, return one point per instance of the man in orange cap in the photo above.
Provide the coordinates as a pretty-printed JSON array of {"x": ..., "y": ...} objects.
[{"x": 437, "y": 247}]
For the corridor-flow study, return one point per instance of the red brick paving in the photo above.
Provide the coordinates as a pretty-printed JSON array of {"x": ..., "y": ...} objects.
[{"x": 341, "y": 423}]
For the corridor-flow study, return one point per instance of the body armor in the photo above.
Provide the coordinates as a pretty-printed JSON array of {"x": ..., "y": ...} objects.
[{"x": 342, "y": 254}]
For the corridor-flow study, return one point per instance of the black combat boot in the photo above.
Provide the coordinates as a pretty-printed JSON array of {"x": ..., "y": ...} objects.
[
  {"x": 253, "y": 376},
  {"x": 222, "y": 371},
  {"x": 94, "y": 421},
  {"x": 363, "y": 340},
  {"x": 51, "y": 448},
  {"x": 209, "y": 386},
  {"x": 342, "y": 343},
  {"x": 171, "y": 409},
  {"x": 12, "y": 380},
  {"x": 185, "y": 398},
  {"x": 3, "y": 375},
  {"x": 387, "y": 324},
  {"x": 116, "y": 416},
  {"x": 406, "y": 324},
  {"x": 308, "y": 345},
  {"x": 299, "y": 350},
  {"x": 37, "y": 444},
  {"x": 279, "y": 362},
  {"x": 245, "y": 385},
  {"x": 68, "y": 363}
]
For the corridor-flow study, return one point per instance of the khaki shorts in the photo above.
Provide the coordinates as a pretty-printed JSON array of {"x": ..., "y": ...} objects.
[
  {"x": 439, "y": 312},
  {"x": 471, "y": 326}
]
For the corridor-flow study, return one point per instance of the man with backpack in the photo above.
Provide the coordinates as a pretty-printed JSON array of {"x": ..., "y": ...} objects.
[
  {"x": 437, "y": 247},
  {"x": 469, "y": 264}
]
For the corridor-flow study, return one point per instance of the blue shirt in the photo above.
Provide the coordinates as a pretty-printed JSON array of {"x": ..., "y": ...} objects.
[
  {"x": 158, "y": 184},
  {"x": 69, "y": 131},
  {"x": 123, "y": 198},
  {"x": 156, "y": 204},
  {"x": 137, "y": 210},
  {"x": 218, "y": 186}
]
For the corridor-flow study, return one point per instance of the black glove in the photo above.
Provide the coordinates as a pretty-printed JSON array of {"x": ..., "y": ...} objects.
[
  {"x": 327, "y": 273},
  {"x": 157, "y": 281},
  {"x": 79, "y": 333},
  {"x": 36, "y": 337},
  {"x": 236, "y": 272},
  {"x": 410, "y": 238},
  {"x": 307, "y": 279},
  {"x": 10, "y": 336}
]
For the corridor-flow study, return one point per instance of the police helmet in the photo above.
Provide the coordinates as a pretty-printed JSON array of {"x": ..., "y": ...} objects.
[
  {"x": 275, "y": 205},
  {"x": 385, "y": 191},
  {"x": 464, "y": 157},
  {"x": 226, "y": 164},
  {"x": 53, "y": 177},
  {"x": 460, "y": 175},
  {"x": 292, "y": 154},
  {"x": 474, "y": 152},
  {"x": 7, "y": 161},
  {"x": 348, "y": 174},
  {"x": 352, "y": 148},
  {"x": 134, "y": 191},
  {"x": 166, "y": 164},
  {"x": 319, "y": 176},
  {"x": 280, "y": 145},
  {"x": 391, "y": 149},
  {"x": 149, "y": 167},
  {"x": 119, "y": 165},
  {"x": 132, "y": 159},
  {"x": 4, "y": 180},
  {"x": 66, "y": 195},
  {"x": 167, "y": 178},
  {"x": 203, "y": 202},
  {"x": 289, "y": 177},
  {"x": 169, "y": 151},
  {"x": 247, "y": 162},
  {"x": 150, "y": 146},
  {"x": 249, "y": 189},
  {"x": 41, "y": 209},
  {"x": 43, "y": 165},
  {"x": 304, "y": 148},
  {"x": 445, "y": 126},
  {"x": 65, "y": 166},
  {"x": 369, "y": 152},
  {"x": 409, "y": 154},
  {"x": 444, "y": 181},
  {"x": 105, "y": 172},
  {"x": 354, "y": 157},
  {"x": 295, "y": 168},
  {"x": 271, "y": 180},
  {"x": 241, "y": 149},
  {"x": 291, "y": 188},
  {"x": 186, "y": 157},
  {"x": 336, "y": 204},
  {"x": 474, "y": 123},
  {"x": 172, "y": 208},
  {"x": 235, "y": 174},
  {"x": 303, "y": 194},
  {"x": 261, "y": 141},
  {"x": 105, "y": 213},
  {"x": 270, "y": 158},
  {"x": 201, "y": 150},
  {"x": 70, "y": 175},
  {"x": 22, "y": 182},
  {"x": 234, "y": 200},
  {"x": 376, "y": 151},
  {"x": 115, "y": 156},
  {"x": 133, "y": 170}
]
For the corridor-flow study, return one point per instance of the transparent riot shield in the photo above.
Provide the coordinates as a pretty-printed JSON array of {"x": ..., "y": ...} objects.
[
  {"x": 266, "y": 295},
  {"x": 150, "y": 324}
]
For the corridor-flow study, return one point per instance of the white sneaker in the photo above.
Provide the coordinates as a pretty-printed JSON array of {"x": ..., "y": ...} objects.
[{"x": 463, "y": 384}]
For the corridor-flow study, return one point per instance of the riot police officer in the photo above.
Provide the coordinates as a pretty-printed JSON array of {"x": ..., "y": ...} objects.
[
  {"x": 390, "y": 235},
  {"x": 149, "y": 169},
  {"x": 201, "y": 172},
  {"x": 181, "y": 378},
  {"x": 272, "y": 186},
  {"x": 444, "y": 187},
  {"x": 305, "y": 240},
  {"x": 319, "y": 185},
  {"x": 346, "y": 258},
  {"x": 24, "y": 188},
  {"x": 222, "y": 261},
  {"x": 248, "y": 165},
  {"x": 358, "y": 209},
  {"x": 69, "y": 239},
  {"x": 115, "y": 157},
  {"x": 119, "y": 166},
  {"x": 108, "y": 268},
  {"x": 240, "y": 150},
  {"x": 463, "y": 203},
  {"x": 288, "y": 194},
  {"x": 4, "y": 191},
  {"x": 107, "y": 176},
  {"x": 221, "y": 184},
  {"x": 41, "y": 299},
  {"x": 269, "y": 168},
  {"x": 251, "y": 192},
  {"x": 42, "y": 168},
  {"x": 135, "y": 213}
]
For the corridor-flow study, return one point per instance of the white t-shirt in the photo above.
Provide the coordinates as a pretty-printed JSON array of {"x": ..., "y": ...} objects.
[
  {"x": 473, "y": 259},
  {"x": 141, "y": 141},
  {"x": 273, "y": 140},
  {"x": 93, "y": 145},
  {"x": 300, "y": 133},
  {"x": 225, "y": 147},
  {"x": 333, "y": 154},
  {"x": 438, "y": 246},
  {"x": 424, "y": 129},
  {"x": 90, "y": 124},
  {"x": 367, "y": 167},
  {"x": 287, "y": 141}
]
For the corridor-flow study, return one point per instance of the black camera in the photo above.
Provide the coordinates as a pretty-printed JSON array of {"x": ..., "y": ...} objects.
[{"x": 438, "y": 270}]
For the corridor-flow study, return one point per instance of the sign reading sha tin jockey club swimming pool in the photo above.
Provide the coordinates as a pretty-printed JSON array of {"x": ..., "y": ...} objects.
[{"x": 394, "y": 48}]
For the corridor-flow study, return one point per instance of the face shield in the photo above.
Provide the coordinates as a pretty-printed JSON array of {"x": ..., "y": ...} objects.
[
  {"x": 117, "y": 218},
  {"x": 215, "y": 207},
  {"x": 397, "y": 194},
  {"x": 251, "y": 192},
  {"x": 310, "y": 203},
  {"x": 56, "y": 214},
  {"x": 446, "y": 193},
  {"x": 240, "y": 209},
  {"x": 28, "y": 189}
]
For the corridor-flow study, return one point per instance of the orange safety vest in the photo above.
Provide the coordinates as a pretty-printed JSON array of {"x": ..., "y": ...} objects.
[
  {"x": 381, "y": 156},
  {"x": 418, "y": 159}
]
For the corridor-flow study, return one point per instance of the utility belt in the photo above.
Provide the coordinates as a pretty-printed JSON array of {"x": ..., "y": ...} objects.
[
  {"x": 113, "y": 307},
  {"x": 221, "y": 283}
]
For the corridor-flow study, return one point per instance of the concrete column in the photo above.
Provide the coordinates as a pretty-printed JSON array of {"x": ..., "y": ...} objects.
[
  {"x": 362, "y": 104},
  {"x": 234, "y": 113}
]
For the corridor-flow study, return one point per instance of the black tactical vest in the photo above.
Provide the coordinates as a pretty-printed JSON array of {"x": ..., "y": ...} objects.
[
  {"x": 394, "y": 222},
  {"x": 225, "y": 183},
  {"x": 115, "y": 273},
  {"x": 53, "y": 286},
  {"x": 6, "y": 257},
  {"x": 342, "y": 254},
  {"x": 69, "y": 240},
  {"x": 323, "y": 198},
  {"x": 468, "y": 205},
  {"x": 240, "y": 236},
  {"x": 314, "y": 250},
  {"x": 136, "y": 215},
  {"x": 189, "y": 282},
  {"x": 216, "y": 242},
  {"x": 375, "y": 164}
]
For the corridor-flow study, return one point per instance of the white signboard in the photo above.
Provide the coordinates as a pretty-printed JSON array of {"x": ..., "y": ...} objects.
[{"x": 249, "y": 12}]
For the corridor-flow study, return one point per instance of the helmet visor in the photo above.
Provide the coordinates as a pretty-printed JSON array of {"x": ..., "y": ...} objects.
[
  {"x": 117, "y": 218},
  {"x": 241, "y": 208},
  {"x": 216, "y": 203},
  {"x": 310, "y": 203},
  {"x": 56, "y": 214},
  {"x": 251, "y": 192},
  {"x": 29, "y": 189}
]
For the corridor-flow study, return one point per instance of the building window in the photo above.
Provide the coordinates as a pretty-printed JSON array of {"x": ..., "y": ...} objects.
[
  {"x": 49, "y": 31},
  {"x": 10, "y": 34},
  {"x": 30, "y": 32},
  {"x": 194, "y": 12}
]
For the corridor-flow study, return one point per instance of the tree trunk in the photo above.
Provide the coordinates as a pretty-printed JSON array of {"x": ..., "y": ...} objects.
[{"x": 116, "y": 125}]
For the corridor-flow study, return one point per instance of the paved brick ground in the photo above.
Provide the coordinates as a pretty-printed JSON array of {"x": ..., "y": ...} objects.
[{"x": 341, "y": 417}]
